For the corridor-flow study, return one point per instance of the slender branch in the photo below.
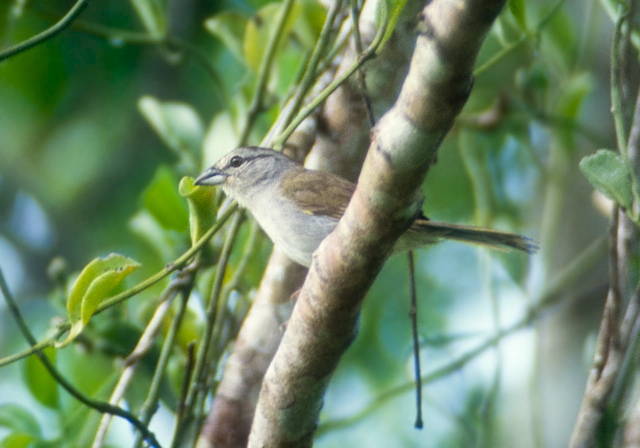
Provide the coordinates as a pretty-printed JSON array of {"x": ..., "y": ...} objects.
[
  {"x": 364, "y": 57},
  {"x": 150, "y": 404},
  {"x": 131, "y": 363},
  {"x": 513, "y": 46},
  {"x": 633, "y": 153},
  {"x": 99, "y": 406},
  {"x": 256, "y": 106},
  {"x": 248, "y": 256},
  {"x": 233, "y": 407},
  {"x": 310, "y": 73},
  {"x": 615, "y": 345},
  {"x": 47, "y": 34},
  {"x": 201, "y": 367},
  {"x": 553, "y": 293},
  {"x": 618, "y": 106},
  {"x": 413, "y": 316},
  {"x": 47, "y": 342},
  {"x": 360, "y": 74},
  {"x": 175, "y": 265}
]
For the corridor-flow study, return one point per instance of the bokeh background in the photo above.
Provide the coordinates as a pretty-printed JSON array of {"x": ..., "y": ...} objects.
[{"x": 98, "y": 125}]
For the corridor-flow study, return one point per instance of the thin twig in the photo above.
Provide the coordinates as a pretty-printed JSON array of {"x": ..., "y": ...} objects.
[
  {"x": 256, "y": 106},
  {"x": 100, "y": 406},
  {"x": 549, "y": 297},
  {"x": 497, "y": 57},
  {"x": 188, "y": 377},
  {"x": 360, "y": 74},
  {"x": 201, "y": 368},
  {"x": 368, "y": 54},
  {"x": 618, "y": 105},
  {"x": 150, "y": 404},
  {"x": 47, "y": 342},
  {"x": 177, "y": 264},
  {"x": 145, "y": 343},
  {"x": 310, "y": 73},
  {"x": 46, "y": 34},
  {"x": 413, "y": 316}
]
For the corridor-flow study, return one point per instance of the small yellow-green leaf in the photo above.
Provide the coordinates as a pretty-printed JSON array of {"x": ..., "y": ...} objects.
[
  {"x": 102, "y": 286},
  {"x": 610, "y": 175},
  {"x": 95, "y": 283},
  {"x": 16, "y": 440},
  {"x": 39, "y": 381},
  {"x": 202, "y": 207}
]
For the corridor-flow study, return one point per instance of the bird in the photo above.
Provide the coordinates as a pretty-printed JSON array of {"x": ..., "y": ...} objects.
[{"x": 297, "y": 207}]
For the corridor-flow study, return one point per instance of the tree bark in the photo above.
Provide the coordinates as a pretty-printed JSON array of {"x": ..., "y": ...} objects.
[{"x": 404, "y": 145}]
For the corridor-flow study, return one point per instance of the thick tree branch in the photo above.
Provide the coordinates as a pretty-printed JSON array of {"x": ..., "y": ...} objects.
[
  {"x": 232, "y": 411},
  {"x": 339, "y": 147},
  {"x": 404, "y": 145}
]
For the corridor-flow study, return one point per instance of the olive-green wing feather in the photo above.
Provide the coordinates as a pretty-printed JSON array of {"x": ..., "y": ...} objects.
[{"x": 318, "y": 193}]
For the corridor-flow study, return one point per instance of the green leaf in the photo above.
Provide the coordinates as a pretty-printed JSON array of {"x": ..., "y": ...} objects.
[
  {"x": 260, "y": 29},
  {"x": 519, "y": 11},
  {"x": 229, "y": 27},
  {"x": 162, "y": 200},
  {"x": 569, "y": 104},
  {"x": 18, "y": 419},
  {"x": 202, "y": 207},
  {"x": 391, "y": 10},
  {"x": 258, "y": 33},
  {"x": 148, "y": 229},
  {"x": 177, "y": 124},
  {"x": 152, "y": 15},
  {"x": 573, "y": 95},
  {"x": 309, "y": 21},
  {"x": 40, "y": 383},
  {"x": 16, "y": 440},
  {"x": 95, "y": 283},
  {"x": 610, "y": 175}
]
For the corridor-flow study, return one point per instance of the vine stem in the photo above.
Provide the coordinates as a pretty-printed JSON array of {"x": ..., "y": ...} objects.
[
  {"x": 47, "y": 34},
  {"x": 369, "y": 53},
  {"x": 99, "y": 406},
  {"x": 263, "y": 74}
]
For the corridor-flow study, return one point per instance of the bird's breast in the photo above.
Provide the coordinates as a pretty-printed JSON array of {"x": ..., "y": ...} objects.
[{"x": 296, "y": 232}]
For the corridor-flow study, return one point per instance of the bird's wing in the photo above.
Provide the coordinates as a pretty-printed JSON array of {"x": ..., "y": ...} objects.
[{"x": 319, "y": 193}]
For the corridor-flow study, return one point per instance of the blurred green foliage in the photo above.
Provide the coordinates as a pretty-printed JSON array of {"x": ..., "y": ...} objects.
[{"x": 100, "y": 124}]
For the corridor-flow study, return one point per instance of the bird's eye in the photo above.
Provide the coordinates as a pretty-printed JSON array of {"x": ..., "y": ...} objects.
[{"x": 236, "y": 161}]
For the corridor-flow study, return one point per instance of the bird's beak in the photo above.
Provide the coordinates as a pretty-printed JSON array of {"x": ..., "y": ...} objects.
[{"x": 212, "y": 176}]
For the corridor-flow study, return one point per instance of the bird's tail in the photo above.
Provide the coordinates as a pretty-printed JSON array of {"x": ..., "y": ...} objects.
[{"x": 431, "y": 231}]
